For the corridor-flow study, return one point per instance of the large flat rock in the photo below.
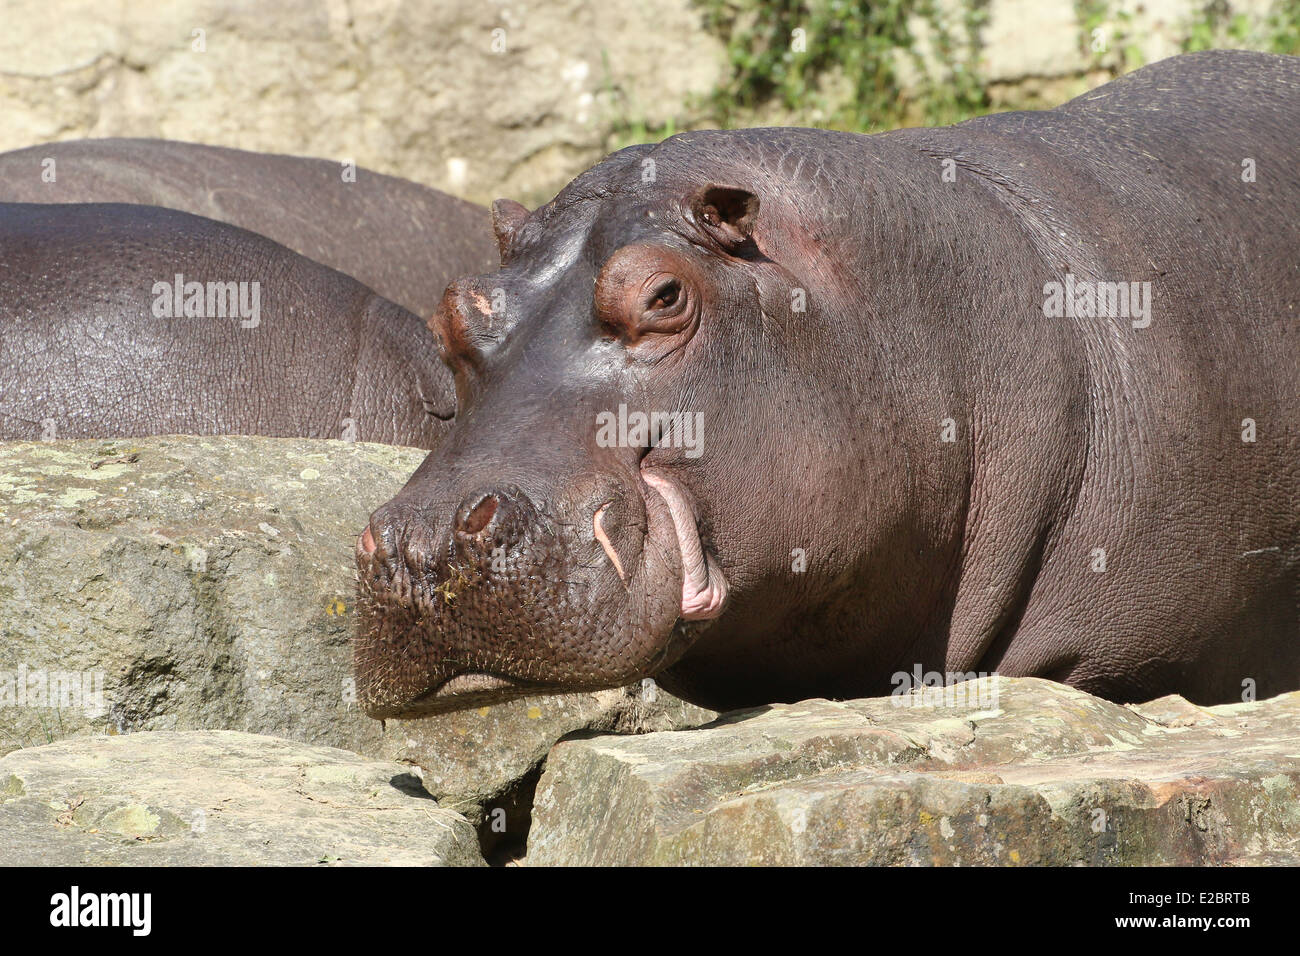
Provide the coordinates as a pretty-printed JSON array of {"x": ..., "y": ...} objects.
[
  {"x": 199, "y": 583},
  {"x": 1017, "y": 771},
  {"x": 219, "y": 797},
  {"x": 473, "y": 756}
]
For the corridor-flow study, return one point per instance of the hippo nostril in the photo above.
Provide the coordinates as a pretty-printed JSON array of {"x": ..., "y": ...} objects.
[{"x": 478, "y": 517}]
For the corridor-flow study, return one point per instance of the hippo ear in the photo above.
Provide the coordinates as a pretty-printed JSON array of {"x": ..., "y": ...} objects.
[
  {"x": 508, "y": 217},
  {"x": 727, "y": 214}
]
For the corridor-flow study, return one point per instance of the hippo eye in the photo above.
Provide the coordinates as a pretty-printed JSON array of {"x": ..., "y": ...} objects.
[
  {"x": 648, "y": 292},
  {"x": 666, "y": 295},
  {"x": 663, "y": 306},
  {"x": 662, "y": 298}
]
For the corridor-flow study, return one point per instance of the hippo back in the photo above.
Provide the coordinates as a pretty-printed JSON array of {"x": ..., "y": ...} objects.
[
  {"x": 404, "y": 240},
  {"x": 120, "y": 320}
]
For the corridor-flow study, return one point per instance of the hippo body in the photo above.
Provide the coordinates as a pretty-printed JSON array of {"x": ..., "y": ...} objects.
[
  {"x": 911, "y": 453},
  {"x": 404, "y": 240},
  {"x": 123, "y": 320}
]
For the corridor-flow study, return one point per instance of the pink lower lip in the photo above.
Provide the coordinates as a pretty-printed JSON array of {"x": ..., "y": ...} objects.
[
  {"x": 704, "y": 589},
  {"x": 473, "y": 683}
]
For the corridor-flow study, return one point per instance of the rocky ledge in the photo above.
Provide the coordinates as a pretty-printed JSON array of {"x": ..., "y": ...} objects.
[
  {"x": 219, "y": 797},
  {"x": 1032, "y": 773},
  {"x": 1022, "y": 771},
  {"x": 175, "y": 686}
]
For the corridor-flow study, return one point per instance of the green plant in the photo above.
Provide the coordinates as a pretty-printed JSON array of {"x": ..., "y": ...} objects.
[
  {"x": 963, "y": 94},
  {"x": 1282, "y": 27},
  {"x": 860, "y": 64},
  {"x": 1217, "y": 26},
  {"x": 1102, "y": 31},
  {"x": 805, "y": 55}
]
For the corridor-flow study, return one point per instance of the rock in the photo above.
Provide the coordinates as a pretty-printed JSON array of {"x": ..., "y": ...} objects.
[
  {"x": 477, "y": 99},
  {"x": 472, "y": 757},
  {"x": 198, "y": 584},
  {"x": 206, "y": 583},
  {"x": 219, "y": 798},
  {"x": 184, "y": 583},
  {"x": 485, "y": 762},
  {"x": 1032, "y": 39},
  {"x": 484, "y": 99},
  {"x": 1024, "y": 772}
]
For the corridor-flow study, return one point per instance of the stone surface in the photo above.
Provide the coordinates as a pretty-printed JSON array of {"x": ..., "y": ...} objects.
[
  {"x": 1024, "y": 772},
  {"x": 477, "y": 98},
  {"x": 206, "y": 583},
  {"x": 473, "y": 756},
  {"x": 219, "y": 798},
  {"x": 187, "y": 584},
  {"x": 199, "y": 583}
]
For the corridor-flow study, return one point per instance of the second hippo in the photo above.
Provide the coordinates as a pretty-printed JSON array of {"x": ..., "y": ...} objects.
[
  {"x": 404, "y": 240},
  {"x": 120, "y": 320}
]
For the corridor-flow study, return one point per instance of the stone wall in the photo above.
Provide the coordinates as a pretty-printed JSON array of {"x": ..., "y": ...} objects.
[
  {"x": 482, "y": 98},
  {"x": 410, "y": 88}
]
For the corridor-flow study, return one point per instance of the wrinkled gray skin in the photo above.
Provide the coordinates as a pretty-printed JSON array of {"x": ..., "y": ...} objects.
[
  {"x": 83, "y": 354},
  {"x": 669, "y": 287},
  {"x": 401, "y": 239}
]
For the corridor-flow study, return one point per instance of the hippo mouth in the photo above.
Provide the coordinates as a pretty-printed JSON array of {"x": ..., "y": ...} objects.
[
  {"x": 444, "y": 626},
  {"x": 465, "y": 690},
  {"x": 704, "y": 586}
]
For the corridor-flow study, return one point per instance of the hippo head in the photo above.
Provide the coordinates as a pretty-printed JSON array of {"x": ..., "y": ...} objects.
[{"x": 622, "y": 478}]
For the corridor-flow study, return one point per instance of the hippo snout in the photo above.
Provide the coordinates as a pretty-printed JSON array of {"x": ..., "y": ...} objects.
[
  {"x": 495, "y": 593},
  {"x": 493, "y": 521},
  {"x": 487, "y": 519},
  {"x": 415, "y": 556}
]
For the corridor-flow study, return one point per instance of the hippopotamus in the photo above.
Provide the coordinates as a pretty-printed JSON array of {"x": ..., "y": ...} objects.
[
  {"x": 403, "y": 240},
  {"x": 771, "y": 414},
  {"x": 124, "y": 320}
]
